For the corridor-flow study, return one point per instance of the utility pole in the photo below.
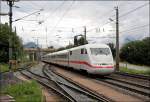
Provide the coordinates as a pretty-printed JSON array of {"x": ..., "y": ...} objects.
[
  {"x": 15, "y": 49},
  {"x": 10, "y": 3},
  {"x": 117, "y": 38},
  {"x": 84, "y": 34}
]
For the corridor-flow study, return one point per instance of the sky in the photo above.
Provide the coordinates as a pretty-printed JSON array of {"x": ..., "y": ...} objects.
[{"x": 55, "y": 23}]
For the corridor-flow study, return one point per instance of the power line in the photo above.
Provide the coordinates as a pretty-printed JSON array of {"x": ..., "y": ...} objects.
[
  {"x": 121, "y": 32},
  {"x": 135, "y": 28},
  {"x": 139, "y": 7},
  {"x": 134, "y": 10},
  {"x": 55, "y": 10},
  {"x": 63, "y": 15},
  {"x": 107, "y": 13},
  {"x": 28, "y": 15}
]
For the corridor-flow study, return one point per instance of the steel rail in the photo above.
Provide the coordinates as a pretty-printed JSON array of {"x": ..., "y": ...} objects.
[
  {"x": 124, "y": 85},
  {"x": 58, "y": 83},
  {"x": 86, "y": 90},
  {"x": 47, "y": 85},
  {"x": 144, "y": 77},
  {"x": 127, "y": 82},
  {"x": 54, "y": 82},
  {"x": 130, "y": 84},
  {"x": 63, "y": 86}
]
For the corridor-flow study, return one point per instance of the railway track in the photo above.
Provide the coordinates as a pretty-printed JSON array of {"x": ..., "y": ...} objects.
[
  {"x": 79, "y": 94},
  {"x": 130, "y": 82},
  {"x": 70, "y": 92},
  {"x": 46, "y": 83},
  {"x": 139, "y": 89},
  {"x": 144, "y": 77},
  {"x": 127, "y": 85}
]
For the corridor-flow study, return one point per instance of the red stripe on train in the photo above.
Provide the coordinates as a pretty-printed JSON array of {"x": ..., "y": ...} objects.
[{"x": 86, "y": 63}]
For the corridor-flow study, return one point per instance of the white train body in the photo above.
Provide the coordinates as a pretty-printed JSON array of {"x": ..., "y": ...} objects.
[{"x": 93, "y": 58}]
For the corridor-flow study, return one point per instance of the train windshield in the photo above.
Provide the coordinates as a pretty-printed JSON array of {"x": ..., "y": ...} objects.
[{"x": 100, "y": 51}]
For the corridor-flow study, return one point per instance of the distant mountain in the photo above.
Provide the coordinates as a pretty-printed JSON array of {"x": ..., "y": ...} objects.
[
  {"x": 128, "y": 39},
  {"x": 30, "y": 45}
]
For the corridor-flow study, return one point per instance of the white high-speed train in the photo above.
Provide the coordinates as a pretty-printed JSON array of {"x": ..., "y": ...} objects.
[{"x": 92, "y": 58}]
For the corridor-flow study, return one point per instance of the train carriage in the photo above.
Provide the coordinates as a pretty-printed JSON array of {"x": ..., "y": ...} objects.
[{"x": 92, "y": 58}]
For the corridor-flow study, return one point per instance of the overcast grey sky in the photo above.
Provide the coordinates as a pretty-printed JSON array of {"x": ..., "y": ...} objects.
[{"x": 64, "y": 19}]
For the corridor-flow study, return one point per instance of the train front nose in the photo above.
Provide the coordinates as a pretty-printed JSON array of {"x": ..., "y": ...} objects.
[{"x": 102, "y": 69}]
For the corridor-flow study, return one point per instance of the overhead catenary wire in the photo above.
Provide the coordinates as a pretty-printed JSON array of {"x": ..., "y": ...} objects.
[
  {"x": 55, "y": 10},
  {"x": 133, "y": 10},
  {"x": 28, "y": 15},
  {"x": 138, "y": 27},
  {"x": 139, "y": 7},
  {"x": 43, "y": 21},
  {"x": 67, "y": 10},
  {"x": 110, "y": 11}
]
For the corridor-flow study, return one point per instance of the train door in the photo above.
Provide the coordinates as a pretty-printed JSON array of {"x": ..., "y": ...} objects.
[
  {"x": 68, "y": 57},
  {"x": 83, "y": 58}
]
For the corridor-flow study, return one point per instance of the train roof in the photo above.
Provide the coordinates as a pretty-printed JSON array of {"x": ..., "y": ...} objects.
[
  {"x": 89, "y": 45},
  {"x": 79, "y": 47}
]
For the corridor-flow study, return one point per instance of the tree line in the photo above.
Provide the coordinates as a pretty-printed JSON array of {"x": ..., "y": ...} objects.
[
  {"x": 136, "y": 52},
  {"x": 16, "y": 45}
]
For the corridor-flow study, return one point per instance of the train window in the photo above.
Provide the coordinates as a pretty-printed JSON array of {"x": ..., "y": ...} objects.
[
  {"x": 100, "y": 51},
  {"x": 85, "y": 51},
  {"x": 62, "y": 56},
  {"x": 82, "y": 51},
  {"x": 70, "y": 52}
]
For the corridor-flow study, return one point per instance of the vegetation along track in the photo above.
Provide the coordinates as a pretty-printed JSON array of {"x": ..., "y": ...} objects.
[
  {"x": 127, "y": 85},
  {"x": 78, "y": 93}
]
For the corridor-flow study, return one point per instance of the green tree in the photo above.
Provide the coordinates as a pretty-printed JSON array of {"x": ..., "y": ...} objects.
[
  {"x": 16, "y": 43},
  {"x": 61, "y": 48},
  {"x": 81, "y": 41},
  {"x": 136, "y": 52}
]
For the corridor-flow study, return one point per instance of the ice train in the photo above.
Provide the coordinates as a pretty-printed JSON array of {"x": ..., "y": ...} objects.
[{"x": 92, "y": 58}]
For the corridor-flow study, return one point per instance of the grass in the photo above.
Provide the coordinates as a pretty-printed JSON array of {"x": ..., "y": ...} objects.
[
  {"x": 25, "y": 92},
  {"x": 133, "y": 71},
  {"x": 4, "y": 67}
]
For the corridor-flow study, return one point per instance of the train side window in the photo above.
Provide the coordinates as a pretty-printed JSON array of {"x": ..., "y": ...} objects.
[
  {"x": 82, "y": 51},
  {"x": 70, "y": 52},
  {"x": 85, "y": 51}
]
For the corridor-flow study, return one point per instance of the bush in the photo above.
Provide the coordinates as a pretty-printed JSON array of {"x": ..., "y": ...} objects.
[{"x": 25, "y": 92}]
